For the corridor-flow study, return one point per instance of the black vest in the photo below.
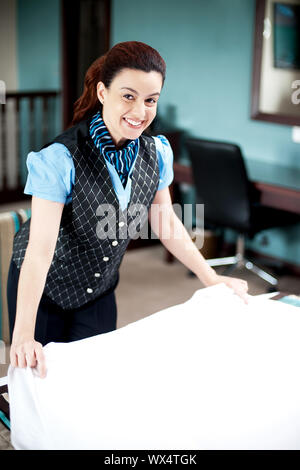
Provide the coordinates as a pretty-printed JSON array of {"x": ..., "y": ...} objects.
[{"x": 86, "y": 262}]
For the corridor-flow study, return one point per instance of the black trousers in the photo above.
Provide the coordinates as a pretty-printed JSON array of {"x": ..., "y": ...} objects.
[{"x": 56, "y": 324}]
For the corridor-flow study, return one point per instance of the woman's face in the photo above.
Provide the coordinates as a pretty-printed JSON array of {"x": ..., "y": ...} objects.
[{"x": 130, "y": 103}]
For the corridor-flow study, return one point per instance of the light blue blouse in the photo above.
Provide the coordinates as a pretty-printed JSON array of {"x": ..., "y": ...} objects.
[{"x": 51, "y": 173}]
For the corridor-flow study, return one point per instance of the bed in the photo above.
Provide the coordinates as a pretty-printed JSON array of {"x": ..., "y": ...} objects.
[{"x": 210, "y": 373}]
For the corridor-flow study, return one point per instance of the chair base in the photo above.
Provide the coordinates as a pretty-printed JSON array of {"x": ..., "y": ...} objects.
[{"x": 239, "y": 261}]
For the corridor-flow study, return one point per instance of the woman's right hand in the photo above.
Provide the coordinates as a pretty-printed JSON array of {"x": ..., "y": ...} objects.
[{"x": 28, "y": 352}]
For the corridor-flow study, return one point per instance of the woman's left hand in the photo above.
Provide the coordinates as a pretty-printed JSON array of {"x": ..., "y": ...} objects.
[{"x": 239, "y": 286}]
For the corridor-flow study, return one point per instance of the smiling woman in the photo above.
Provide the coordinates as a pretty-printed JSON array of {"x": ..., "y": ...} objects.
[
  {"x": 129, "y": 66},
  {"x": 101, "y": 166},
  {"x": 129, "y": 114}
]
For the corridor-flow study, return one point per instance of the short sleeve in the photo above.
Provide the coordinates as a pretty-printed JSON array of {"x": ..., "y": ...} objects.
[
  {"x": 50, "y": 173},
  {"x": 165, "y": 161}
]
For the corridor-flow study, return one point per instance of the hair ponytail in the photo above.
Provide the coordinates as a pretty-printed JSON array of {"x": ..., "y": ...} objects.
[
  {"x": 88, "y": 103},
  {"x": 130, "y": 54}
]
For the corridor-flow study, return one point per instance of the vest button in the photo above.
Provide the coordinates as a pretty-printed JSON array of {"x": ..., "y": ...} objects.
[
  {"x": 114, "y": 243},
  {"x": 121, "y": 224},
  {"x": 106, "y": 258},
  {"x": 89, "y": 290},
  {"x": 97, "y": 274}
]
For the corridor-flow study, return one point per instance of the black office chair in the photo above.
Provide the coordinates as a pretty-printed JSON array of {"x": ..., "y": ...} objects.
[{"x": 229, "y": 199}]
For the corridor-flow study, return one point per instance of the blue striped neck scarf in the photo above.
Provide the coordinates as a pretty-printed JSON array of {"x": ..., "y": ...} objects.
[{"x": 122, "y": 158}]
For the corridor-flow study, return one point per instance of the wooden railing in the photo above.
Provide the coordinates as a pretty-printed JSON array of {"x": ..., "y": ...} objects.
[{"x": 28, "y": 120}]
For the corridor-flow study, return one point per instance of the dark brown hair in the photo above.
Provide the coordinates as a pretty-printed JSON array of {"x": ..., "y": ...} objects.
[{"x": 130, "y": 54}]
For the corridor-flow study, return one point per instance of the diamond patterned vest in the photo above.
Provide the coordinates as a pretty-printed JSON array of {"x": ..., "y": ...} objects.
[{"x": 85, "y": 264}]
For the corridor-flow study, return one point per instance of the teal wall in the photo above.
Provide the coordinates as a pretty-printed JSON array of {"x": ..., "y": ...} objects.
[
  {"x": 38, "y": 44},
  {"x": 39, "y": 66},
  {"x": 207, "y": 47}
]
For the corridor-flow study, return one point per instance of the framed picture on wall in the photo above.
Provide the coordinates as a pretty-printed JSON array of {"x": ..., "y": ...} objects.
[{"x": 276, "y": 62}]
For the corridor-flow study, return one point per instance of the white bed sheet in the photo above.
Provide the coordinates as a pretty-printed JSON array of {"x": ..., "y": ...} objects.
[{"x": 211, "y": 373}]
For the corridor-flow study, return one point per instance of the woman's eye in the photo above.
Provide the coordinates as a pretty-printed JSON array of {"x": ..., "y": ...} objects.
[
  {"x": 151, "y": 101},
  {"x": 131, "y": 97}
]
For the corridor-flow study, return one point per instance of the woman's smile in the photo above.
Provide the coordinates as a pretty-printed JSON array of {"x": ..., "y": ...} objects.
[{"x": 132, "y": 123}]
